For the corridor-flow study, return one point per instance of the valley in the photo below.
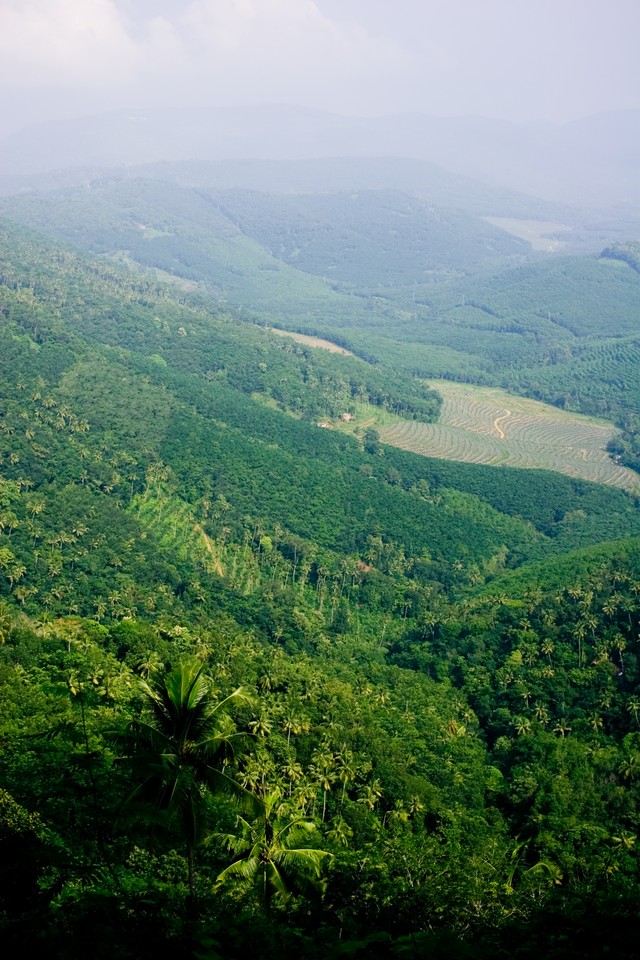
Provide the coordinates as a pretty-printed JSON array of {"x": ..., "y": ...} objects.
[{"x": 319, "y": 553}]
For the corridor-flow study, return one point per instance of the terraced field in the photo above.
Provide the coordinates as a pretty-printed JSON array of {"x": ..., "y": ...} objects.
[{"x": 491, "y": 426}]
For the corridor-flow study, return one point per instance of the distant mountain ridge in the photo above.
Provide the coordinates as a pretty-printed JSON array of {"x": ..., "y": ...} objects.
[{"x": 593, "y": 160}]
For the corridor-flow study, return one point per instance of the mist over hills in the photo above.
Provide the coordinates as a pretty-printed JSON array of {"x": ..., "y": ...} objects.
[
  {"x": 593, "y": 160},
  {"x": 319, "y": 480}
]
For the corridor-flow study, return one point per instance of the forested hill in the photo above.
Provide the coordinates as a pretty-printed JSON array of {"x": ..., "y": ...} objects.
[
  {"x": 265, "y": 682},
  {"x": 393, "y": 277},
  {"x": 110, "y": 380}
]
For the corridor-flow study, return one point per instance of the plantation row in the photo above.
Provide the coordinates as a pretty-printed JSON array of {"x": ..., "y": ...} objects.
[{"x": 488, "y": 435}]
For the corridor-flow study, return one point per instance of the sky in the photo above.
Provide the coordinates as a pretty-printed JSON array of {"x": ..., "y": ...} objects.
[{"x": 523, "y": 60}]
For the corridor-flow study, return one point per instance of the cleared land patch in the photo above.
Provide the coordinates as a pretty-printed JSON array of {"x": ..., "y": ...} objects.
[
  {"x": 309, "y": 341},
  {"x": 539, "y": 233},
  {"x": 488, "y": 425}
]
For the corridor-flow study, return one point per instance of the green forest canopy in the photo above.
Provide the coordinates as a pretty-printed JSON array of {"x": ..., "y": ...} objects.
[{"x": 438, "y": 664}]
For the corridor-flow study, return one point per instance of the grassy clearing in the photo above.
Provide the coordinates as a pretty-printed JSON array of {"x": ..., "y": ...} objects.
[
  {"x": 176, "y": 528},
  {"x": 122, "y": 257},
  {"x": 309, "y": 341},
  {"x": 490, "y": 426},
  {"x": 151, "y": 233},
  {"x": 537, "y": 232}
]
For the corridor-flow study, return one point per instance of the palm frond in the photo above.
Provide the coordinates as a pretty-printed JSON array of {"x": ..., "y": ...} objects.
[
  {"x": 305, "y": 859},
  {"x": 277, "y": 880},
  {"x": 246, "y": 870}
]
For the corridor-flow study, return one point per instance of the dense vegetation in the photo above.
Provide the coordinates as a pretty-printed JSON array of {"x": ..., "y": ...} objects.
[
  {"x": 413, "y": 286},
  {"x": 266, "y": 683}
]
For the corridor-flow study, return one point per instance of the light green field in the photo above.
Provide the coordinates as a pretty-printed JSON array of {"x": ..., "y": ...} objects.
[
  {"x": 490, "y": 426},
  {"x": 537, "y": 232},
  {"x": 310, "y": 341}
]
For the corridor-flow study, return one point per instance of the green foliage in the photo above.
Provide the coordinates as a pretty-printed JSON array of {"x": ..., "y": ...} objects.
[
  {"x": 273, "y": 852},
  {"x": 433, "y": 666},
  {"x": 345, "y": 237},
  {"x": 178, "y": 753},
  {"x": 627, "y": 252}
]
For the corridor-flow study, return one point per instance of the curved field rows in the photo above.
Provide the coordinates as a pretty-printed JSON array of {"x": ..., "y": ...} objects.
[{"x": 488, "y": 425}]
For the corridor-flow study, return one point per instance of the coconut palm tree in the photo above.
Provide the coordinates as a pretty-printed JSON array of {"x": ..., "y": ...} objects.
[
  {"x": 179, "y": 751},
  {"x": 271, "y": 852}
]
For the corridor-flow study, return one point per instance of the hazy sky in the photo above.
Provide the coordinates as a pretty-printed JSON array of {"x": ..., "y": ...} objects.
[{"x": 516, "y": 59}]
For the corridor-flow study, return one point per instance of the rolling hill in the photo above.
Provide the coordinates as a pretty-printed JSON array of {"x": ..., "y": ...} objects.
[{"x": 428, "y": 669}]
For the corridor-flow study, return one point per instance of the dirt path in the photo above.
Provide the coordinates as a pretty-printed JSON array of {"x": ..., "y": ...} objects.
[
  {"x": 497, "y": 420},
  {"x": 207, "y": 543}
]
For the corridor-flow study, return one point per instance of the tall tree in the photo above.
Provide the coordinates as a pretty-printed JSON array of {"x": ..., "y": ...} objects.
[
  {"x": 272, "y": 853},
  {"x": 180, "y": 751}
]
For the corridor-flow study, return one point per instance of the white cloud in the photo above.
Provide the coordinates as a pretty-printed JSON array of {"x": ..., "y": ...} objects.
[
  {"x": 238, "y": 50},
  {"x": 64, "y": 42},
  {"x": 497, "y": 57},
  {"x": 285, "y": 49},
  {"x": 294, "y": 29}
]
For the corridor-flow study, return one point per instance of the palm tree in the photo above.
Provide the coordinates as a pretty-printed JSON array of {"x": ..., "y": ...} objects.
[
  {"x": 579, "y": 631},
  {"x": 633, "y": 707},
  {"x": 271, "y": 852},
  {"x": 562, "y": 727},
  {"x": 522, "y": 726},
  {"x": 346, "y": 770},
  {"x": 323, "y": 771},
  {"x": 179, "y": 752}
]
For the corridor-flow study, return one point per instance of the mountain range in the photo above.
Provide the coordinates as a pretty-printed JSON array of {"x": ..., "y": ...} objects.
[{"x": 592, "y": 161}]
